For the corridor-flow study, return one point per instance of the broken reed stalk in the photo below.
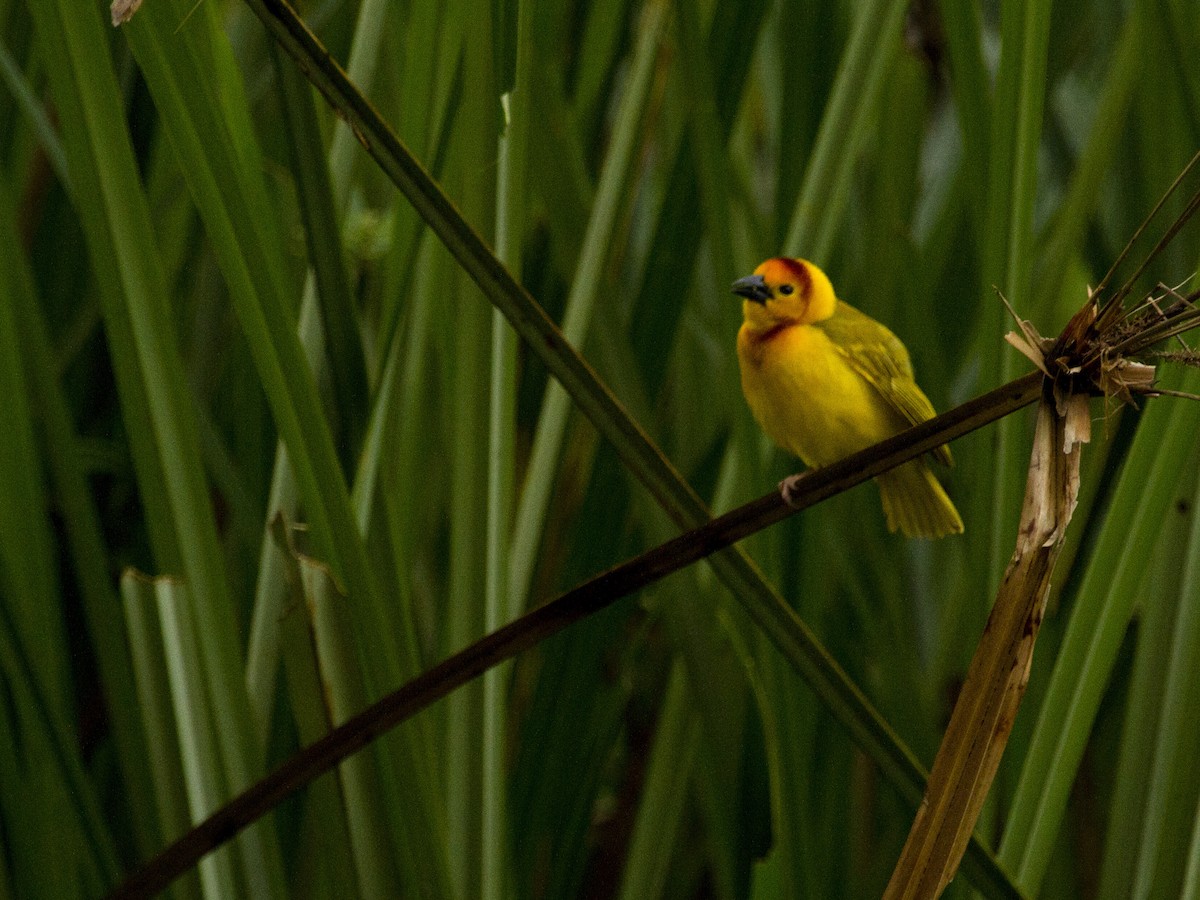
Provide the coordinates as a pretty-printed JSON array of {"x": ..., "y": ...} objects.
[
  {"x": 1091, "y": 357},
  {"x": 983, "y": 717}
]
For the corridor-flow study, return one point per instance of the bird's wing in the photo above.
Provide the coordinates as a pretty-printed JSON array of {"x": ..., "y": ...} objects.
[{"x": 880, "y": 357}]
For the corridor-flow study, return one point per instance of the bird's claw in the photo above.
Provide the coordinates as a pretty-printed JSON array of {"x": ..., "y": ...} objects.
[{"x": 789, "y": 488}]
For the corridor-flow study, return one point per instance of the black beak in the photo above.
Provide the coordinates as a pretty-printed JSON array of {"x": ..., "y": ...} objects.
[{"x": 752, "y": 287}]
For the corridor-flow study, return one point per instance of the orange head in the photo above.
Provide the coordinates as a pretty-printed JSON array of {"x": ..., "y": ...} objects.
[{"x": 785, "y": 290}]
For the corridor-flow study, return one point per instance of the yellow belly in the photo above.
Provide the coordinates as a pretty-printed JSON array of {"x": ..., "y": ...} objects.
[{"x": 807, "y": 399}]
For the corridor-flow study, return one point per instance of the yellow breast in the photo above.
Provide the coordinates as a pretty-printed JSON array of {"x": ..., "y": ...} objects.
[{"x": 806, "y": 397}]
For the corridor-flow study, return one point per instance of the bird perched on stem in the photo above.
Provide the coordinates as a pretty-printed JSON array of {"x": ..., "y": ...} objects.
[{"x": 825, "y": 380}]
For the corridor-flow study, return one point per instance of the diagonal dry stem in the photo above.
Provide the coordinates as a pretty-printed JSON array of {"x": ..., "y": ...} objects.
[
  {"x": 571, "y": 607},
  {"x": 983, "y": 717},
  {"x": 1092, "y": 355}
]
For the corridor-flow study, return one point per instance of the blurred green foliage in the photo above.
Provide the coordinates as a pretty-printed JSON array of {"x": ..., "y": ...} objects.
[{"x": 233, "y": 357}]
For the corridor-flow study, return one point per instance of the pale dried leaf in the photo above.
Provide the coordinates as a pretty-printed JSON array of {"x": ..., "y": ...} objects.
[
  {"x": 123, "y": 10},
  {"x": 1077, "y": 427},
  {"x": 1123, "y": 377},
  {"x": 1027, "y": 349},
  {"x": 1032, "y": 335}
]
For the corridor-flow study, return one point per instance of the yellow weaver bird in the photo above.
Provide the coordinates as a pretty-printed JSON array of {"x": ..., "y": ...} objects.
[{"x": 825, "y": 380}]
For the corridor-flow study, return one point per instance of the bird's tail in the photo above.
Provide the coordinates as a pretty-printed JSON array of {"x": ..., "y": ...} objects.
[{"x": 916, "y": 504}]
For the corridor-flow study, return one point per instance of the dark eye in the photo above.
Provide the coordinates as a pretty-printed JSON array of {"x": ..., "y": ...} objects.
[{"x": 786, "y": 289}]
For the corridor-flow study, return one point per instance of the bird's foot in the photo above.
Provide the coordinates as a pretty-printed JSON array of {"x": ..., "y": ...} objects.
[{"x": 789, "y": 489}]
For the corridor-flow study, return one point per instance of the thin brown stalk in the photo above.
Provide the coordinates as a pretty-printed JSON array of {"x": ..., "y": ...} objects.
[
  {"x": 571, "y": 607},
  {"x": 1188, "y": 211},
  {"x": 1103, "y": 285}
]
